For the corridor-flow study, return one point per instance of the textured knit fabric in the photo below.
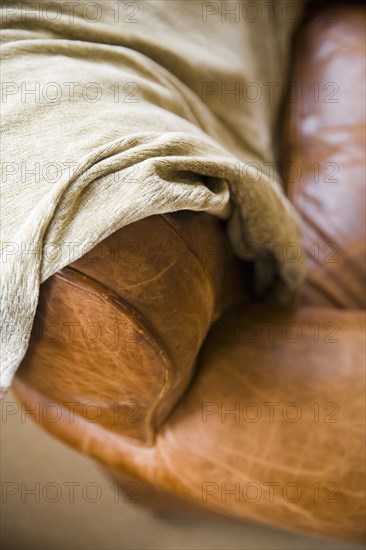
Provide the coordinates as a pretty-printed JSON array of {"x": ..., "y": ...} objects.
[{"x": 115, "y": 111}]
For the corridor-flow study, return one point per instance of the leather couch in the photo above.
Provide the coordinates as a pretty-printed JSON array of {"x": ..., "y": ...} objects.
[{"x": 150, "y": 355}]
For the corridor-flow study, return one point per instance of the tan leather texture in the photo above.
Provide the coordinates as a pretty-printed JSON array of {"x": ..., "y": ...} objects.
[
  {"x": 324, "y": 157},
  {"x": 272, "y": 428},
  {"x": 123, "y": 325}
]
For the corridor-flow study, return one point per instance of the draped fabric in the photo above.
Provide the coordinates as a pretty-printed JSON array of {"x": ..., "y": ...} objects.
[{"x": 115, "y": 111}]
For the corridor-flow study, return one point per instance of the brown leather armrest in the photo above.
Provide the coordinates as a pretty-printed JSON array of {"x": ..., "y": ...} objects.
[
  {"x": 117, "y": 332},
  {"x": 272, "y": 430}
]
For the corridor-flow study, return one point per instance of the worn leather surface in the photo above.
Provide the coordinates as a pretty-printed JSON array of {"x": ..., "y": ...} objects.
[
  {"x": 285, "y": 408},
  {"x": 122, "y": 326},
  {"x": 271, "y": 426},
  {"x": 278, "y": 403},
  {"x": 324, "y": 156}
]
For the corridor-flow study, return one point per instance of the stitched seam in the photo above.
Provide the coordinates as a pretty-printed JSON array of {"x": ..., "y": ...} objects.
[{"x": 147, "y": 332}]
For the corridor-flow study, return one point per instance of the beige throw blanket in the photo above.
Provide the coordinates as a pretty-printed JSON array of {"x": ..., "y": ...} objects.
[{"x": 114, "y": 111}]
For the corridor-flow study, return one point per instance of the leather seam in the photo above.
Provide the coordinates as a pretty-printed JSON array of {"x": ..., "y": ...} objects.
[
  {"x": 150, "y": 336},
  {"x": 171, "y": 224}
]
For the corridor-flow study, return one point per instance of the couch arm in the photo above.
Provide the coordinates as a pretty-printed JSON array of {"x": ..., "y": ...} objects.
[{"x": 117, "y": 332}]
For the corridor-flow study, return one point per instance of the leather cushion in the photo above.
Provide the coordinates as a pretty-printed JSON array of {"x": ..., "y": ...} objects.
[
  {"x": 277, "y": 403},
  {"x": 325, "y": 157},
  {"x": 279, "y": 400}
]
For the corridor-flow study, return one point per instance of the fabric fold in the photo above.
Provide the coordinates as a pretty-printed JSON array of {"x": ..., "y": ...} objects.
[{"x": 98, "y": 135}]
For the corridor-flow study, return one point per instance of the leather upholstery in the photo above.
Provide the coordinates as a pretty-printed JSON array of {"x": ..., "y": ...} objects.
[
  {"x": 122, "y": 326},
  {"x": 268, "y": 422},
  {"x": 270, "y": 430},
  {"x": 324, "y": 160}
]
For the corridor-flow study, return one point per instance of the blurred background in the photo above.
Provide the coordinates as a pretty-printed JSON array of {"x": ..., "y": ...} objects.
[{"x": 56, "y": 499}]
